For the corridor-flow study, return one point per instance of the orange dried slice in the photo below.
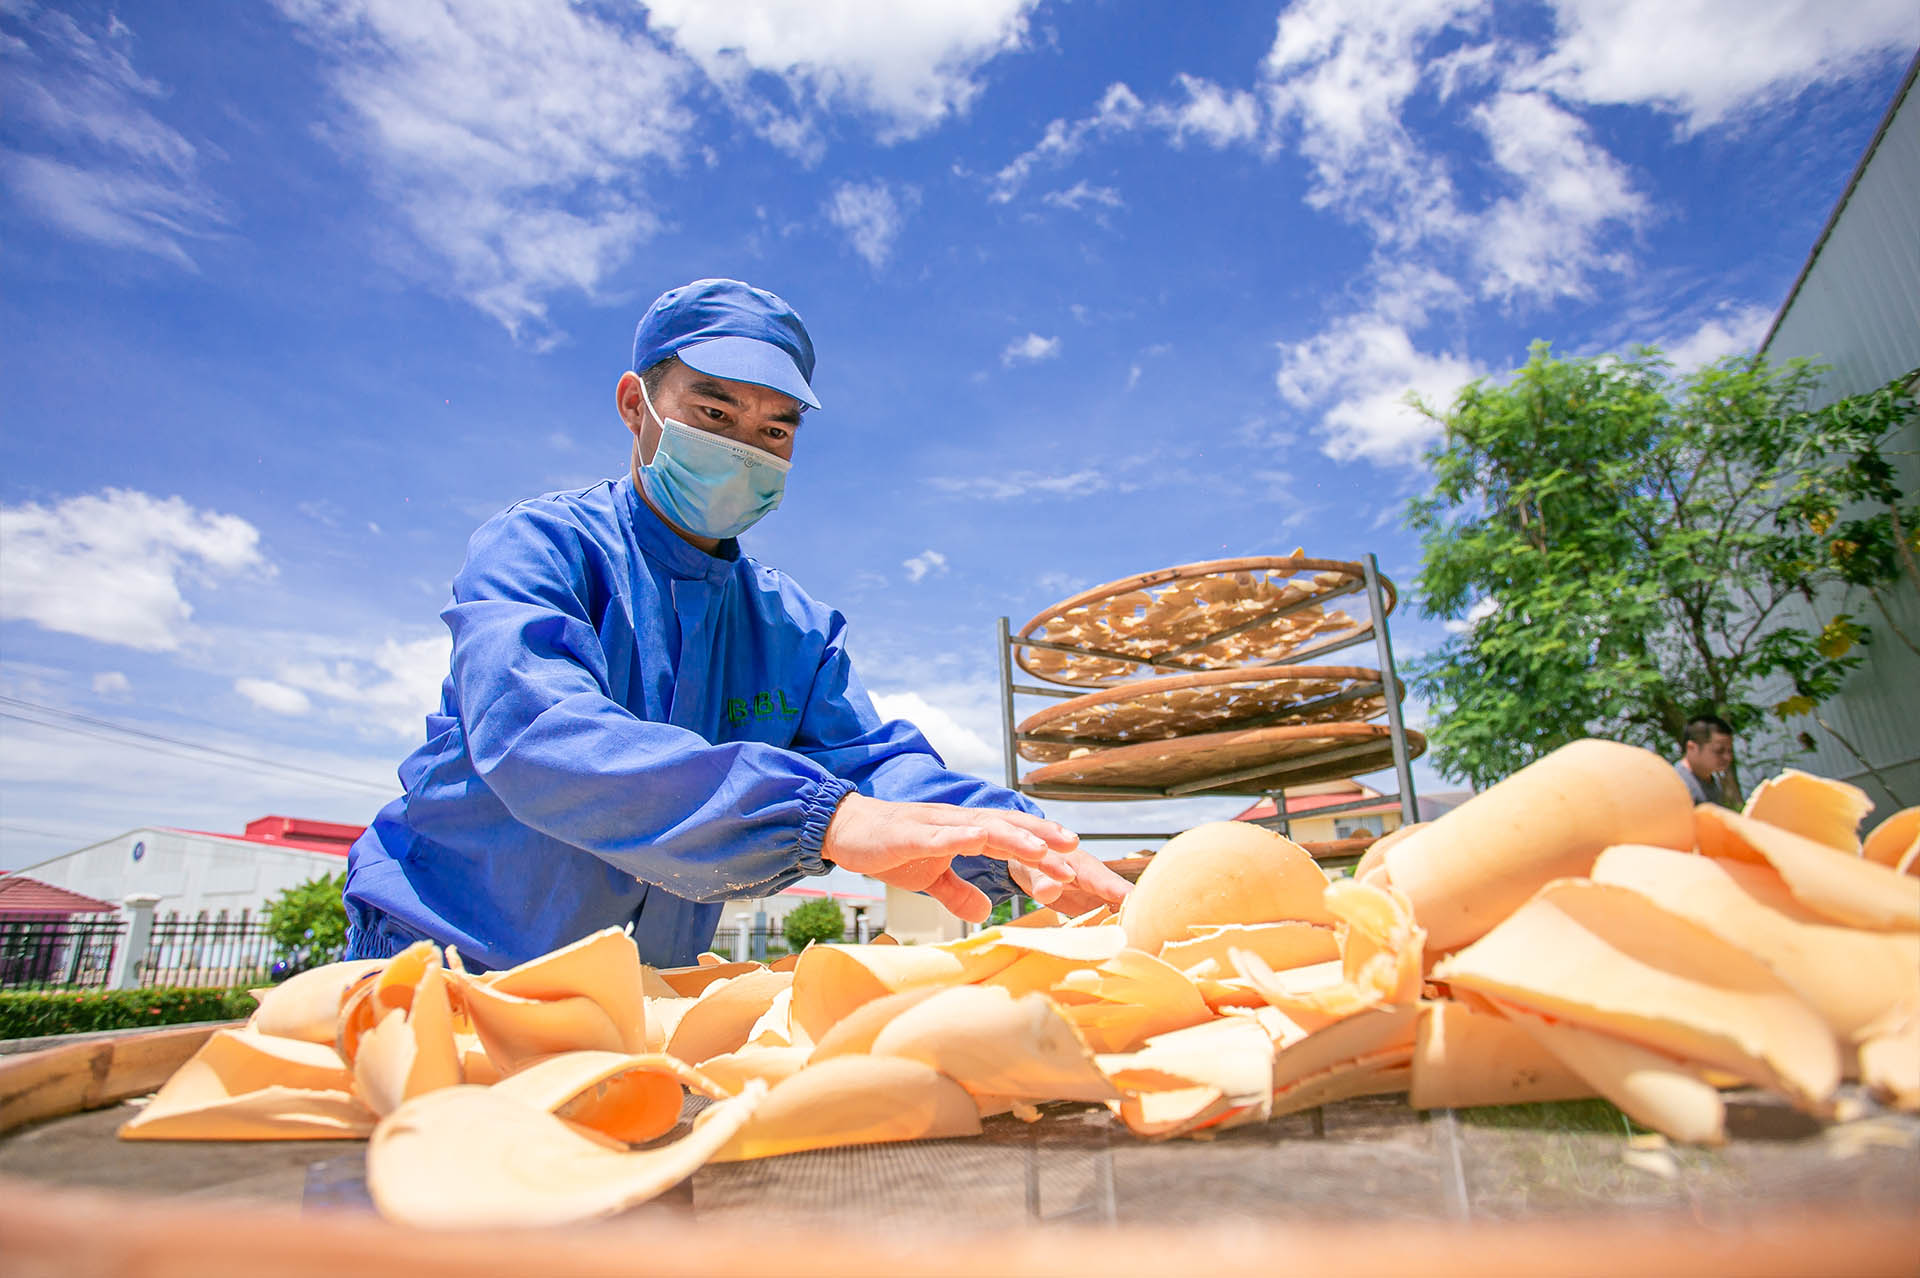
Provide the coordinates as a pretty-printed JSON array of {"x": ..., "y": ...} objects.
[
  {"x": 1847, "y": 889},
  {"x": 1278, "y": 945},
  {"x": 411, "y": 1050},
  {"x": 1135, "y": 996},
  {"x": 1463, "y": 1058},
  {"x": 1480, "y": 862},
  {"x": 854, "y": 1100},
  {"x": 1652, "y": 1088},
  {"x": 1214, "y": 1075},
  {"x": 1365, "y": 1054},
  {"x": 1896, "y": 842},
  {"x": 995, "y": 1045},
  {"x": 1825, "y": 811},
  {"x": 688, "y": 982},
  {"x": 1890, "y": 1057},
  {"x": 832, "y": 980},
  {"x": 1606, "y": 958},
  {"x": 476, "y": 1158},
  {"x": 770, "y": 1065},
  {"x": 853, "y": 1034},
  {"x": 390, "y": 987},
  {"x": 1219, "y": 873},
  {"x": 307, "y": 1006},
  {"x": 583, "y": 997},
  {"x": 632, "y": 1098},
  {"x": 1851, "y": 977},
  {"x": 246, "y": 1086},
  {"x": 722, "y": 1018}
]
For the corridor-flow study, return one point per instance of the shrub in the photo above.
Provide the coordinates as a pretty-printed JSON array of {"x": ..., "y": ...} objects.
[
  {"x": 25, "y": 1014},
  {"x": 814, "y": 921},
  {"x": 308, "y": 922}
]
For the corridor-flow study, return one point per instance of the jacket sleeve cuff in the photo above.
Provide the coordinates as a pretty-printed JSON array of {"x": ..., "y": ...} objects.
[
  {"x": 989, "y": 874},
  {"x": 816, "y": 812}
]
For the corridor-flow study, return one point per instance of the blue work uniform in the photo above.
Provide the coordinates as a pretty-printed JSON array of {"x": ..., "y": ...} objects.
[{"x": 632, "y": 731}]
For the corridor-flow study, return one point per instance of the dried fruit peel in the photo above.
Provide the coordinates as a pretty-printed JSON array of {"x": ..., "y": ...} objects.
[
  {"x": 1828, "y": 812},
  {"x": 603, "y": 967},
  {"x": 1606, "y": 958},
  {"x": 475, "y": 1158},
  {"x": 993, "y": 1044},
  {"x": 1652, "y": 1088},
  {"x": 1222, "y": 872},
  {"x": 1896, "y": 842},
  {"x": 1847, "y": 889},
  {"x": 1463, "y": 1058},
  {"x": 630, "y": 1098},
  {"x": 832, "y": 980},
  {"x": 1480, "y": 862},
  {"x": 1278, "y": 945},
  {"x": 411, "y": 1050},
  {"x": 854, "y": 1100},
  {"x": 306, "y": 1006},
  {"x": 1851, "y": 977},
  {"x": 247, "y": 1086},
  {"x": 722, "y": 1019}
]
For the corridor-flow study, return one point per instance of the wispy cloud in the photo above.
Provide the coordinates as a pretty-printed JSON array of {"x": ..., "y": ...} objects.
[
  {"x": 925, "y": 564},
  {"x": 871, "y": 215},
  {"x": 93, "y": 158},
  {"x": 516, "y": 141},
  {"x": 111, "y": 566},
  {"x": 1733, "y": 330},
  {"x": 277, "y": 698},
  {"x": 1030, "y": 349},
  {"x": 1024, "y": 483},
  {"x": 1082, "y": 193}
]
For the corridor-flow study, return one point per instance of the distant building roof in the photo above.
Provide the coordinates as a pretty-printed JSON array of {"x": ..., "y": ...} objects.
[
  {"x": 292, "y": 832},
  {"x": 20, "y": 895},
  {"x": 797, "y": 890}
]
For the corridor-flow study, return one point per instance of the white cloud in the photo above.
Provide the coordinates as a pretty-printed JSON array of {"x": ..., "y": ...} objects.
[
  {"x": 112, "y": 684},
  {"x": 964, "y": 749},
  {"x": 871, "y": 215},
  {"x": 1022, "y": 483},
  {"x": 386, "y": 692},
  {"x": 1708, "y": 60},
  {"x": 1360, "y": 371},
  {"x": 1118, "y": 111},
  {"x": 1219, "y": 117},
  {"x": 1545, "y": 241},
  {"x": 927, "y": 562},
  {"x": 1734, "y": 330},
  {"x": 110, "y": 566},
  {"x": 1030, "y": 349},
  {"x": 98, "y": 164},
  {"x": 1083, "y": 193},
  {"x": 911, "y": 66},
  {"x": 275, "y": 697},
  {"x": 1485, "y": 607},
  {"x": 513, "y": 139}
]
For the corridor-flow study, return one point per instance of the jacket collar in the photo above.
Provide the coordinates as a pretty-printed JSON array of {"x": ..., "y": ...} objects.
[{"x": 659, "y": 542}]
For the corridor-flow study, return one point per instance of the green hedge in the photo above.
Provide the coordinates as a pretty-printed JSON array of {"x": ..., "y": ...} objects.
[{"x": 27, "y": 1014}]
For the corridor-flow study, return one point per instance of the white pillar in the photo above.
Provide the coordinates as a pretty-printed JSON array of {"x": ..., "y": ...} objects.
[
  {"x": 133, "y": 948},
  {"x": 741, "y": 941}
]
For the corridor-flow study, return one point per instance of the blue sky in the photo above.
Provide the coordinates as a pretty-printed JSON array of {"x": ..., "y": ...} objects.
[{"x": 293, "y": 295}]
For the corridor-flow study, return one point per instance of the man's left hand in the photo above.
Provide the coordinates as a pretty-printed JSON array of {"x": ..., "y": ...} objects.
[{"x": 1093, "y": 884}]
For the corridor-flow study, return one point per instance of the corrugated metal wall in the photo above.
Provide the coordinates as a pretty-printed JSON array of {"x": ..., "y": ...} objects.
[{"x": 1857, "y": 308}]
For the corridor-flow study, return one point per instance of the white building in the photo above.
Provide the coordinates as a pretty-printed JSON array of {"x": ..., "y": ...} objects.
[{"x": 196, "y": 873}]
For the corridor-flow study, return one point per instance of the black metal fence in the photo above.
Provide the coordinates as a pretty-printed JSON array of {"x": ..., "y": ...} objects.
[
  {"x": 74, "y": 953},
  {"x": 207, "y": 953}
]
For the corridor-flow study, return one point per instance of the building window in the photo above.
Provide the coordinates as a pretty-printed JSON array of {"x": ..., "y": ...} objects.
[{"x": 1354, "y": 826}]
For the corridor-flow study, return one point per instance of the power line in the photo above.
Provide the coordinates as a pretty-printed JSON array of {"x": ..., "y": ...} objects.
[{"x": 107, "y": 730}]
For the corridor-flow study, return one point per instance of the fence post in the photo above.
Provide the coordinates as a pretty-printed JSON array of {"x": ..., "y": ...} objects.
[
  {"x": 740, "y": 938},
  {"x": 127, "y": 959}
]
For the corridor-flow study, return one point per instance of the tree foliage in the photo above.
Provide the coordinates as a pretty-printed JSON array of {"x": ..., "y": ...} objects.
[
  {"x": 1618, "y": 548},
  {"x": 814, "y": 921},
  {"x": 308, "y": 921}
]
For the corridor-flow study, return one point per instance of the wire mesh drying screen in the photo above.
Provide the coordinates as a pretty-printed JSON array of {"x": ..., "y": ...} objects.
[
  {"x": 1219, "y": 614},
  {"x": 1238, "y": 762},
  {"x": 1170, "y": 706}
]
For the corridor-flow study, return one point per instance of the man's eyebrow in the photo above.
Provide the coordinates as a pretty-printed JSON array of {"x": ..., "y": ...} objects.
[{"x": 714, "y": 390}]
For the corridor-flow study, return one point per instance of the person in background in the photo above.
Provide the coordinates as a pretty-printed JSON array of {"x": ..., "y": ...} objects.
[
  {"x": 641, "y": 723},
  {"x": 1706, "y": 762}
]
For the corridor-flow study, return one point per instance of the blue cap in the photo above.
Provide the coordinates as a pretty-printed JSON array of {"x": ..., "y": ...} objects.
[{"x": 728, "y": 329}]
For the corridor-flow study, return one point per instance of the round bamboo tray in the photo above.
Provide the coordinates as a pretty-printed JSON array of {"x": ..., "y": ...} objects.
[
  {"x": 1248, "y": 761},
  {"x": 1186, "y": 705},
  {"x": 1202, "y": 616}
]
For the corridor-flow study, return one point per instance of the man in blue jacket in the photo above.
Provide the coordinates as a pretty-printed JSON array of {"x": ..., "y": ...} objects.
[{"x": 640, "y": 723}]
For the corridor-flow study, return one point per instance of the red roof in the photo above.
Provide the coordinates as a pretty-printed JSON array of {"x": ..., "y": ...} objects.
[
  {"x": 1302, "y": 804},
  {"x": 22, "y": 895},
  {"x": 293, "y": 832}
]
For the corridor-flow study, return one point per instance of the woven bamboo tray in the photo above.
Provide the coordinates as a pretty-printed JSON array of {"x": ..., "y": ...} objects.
[
  {"x": 1186, "y": 705},
  {"x": 1250, "y": 761},
  {"x": 1213, "y": 615}
]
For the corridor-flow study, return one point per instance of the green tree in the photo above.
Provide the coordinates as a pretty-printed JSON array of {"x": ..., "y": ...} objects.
[
  {"x": 813, "y": 921},
  {"x": 308, "y": 921},
  {"x": 1619, "y": 548}
]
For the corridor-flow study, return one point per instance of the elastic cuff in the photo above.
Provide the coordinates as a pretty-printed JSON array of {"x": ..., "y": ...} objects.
[{"x": 817, "y": 811}]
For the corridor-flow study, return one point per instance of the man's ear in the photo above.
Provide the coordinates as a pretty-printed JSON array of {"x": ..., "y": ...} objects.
[{"x": 633, "y": 411}]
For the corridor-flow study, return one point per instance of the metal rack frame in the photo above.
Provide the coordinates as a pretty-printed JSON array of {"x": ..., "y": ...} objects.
[{"x": 1221, "y": 785}]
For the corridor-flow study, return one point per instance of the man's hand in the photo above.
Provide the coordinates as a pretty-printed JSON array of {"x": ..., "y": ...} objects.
[
  {"x": 912, "y": 846},
  {"x": 1092, "y": 885}
]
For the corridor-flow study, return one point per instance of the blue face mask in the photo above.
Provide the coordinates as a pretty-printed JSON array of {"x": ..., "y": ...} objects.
[{"x": 709, "y": 485}]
